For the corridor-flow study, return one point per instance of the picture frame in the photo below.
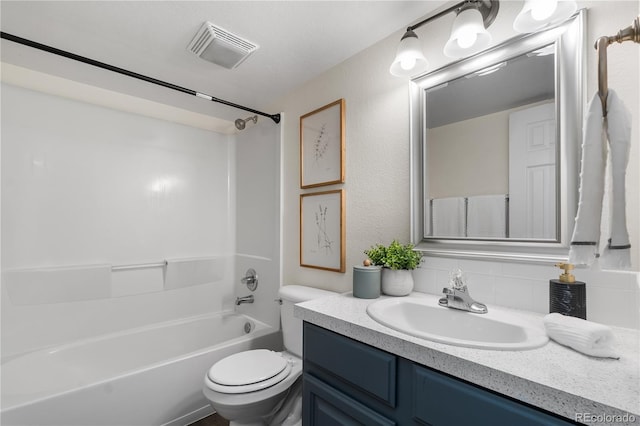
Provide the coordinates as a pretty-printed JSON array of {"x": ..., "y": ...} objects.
[
  {"x": 322, "y": 145},
  {"x": 322, "y": 230}
]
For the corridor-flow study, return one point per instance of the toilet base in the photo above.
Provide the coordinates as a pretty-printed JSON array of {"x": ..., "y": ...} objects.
[
  {"x": 250, "y": 423},
  {"x": 272, "y": 404},
  {"x": 294, "y": 408},
  {"x": 287, "y": 412}
]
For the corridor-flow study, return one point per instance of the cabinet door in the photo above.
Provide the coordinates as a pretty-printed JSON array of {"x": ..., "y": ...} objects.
[
  {"x": 360, "y": 366},
  {"x": 325, "y": 406},
  {"x": 439, "y": 400}
]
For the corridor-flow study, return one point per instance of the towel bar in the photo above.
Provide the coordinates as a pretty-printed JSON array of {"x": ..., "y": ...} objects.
[
  {"x": 139, "y": 266},
  {"x": 630, "y": 33}
]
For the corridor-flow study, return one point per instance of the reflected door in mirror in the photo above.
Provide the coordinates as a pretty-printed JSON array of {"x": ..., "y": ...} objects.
[{"x": 532, "y": 172}]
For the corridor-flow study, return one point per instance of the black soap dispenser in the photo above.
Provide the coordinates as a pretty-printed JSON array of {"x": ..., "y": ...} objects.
[{"x": 566, "y": 295}]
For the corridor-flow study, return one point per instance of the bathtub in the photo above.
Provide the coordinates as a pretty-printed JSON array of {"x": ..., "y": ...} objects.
[{"x": 145, "y": 376}]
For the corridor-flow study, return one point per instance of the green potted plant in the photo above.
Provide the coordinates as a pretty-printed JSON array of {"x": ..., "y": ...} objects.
[{"x": 397, "y": 261}]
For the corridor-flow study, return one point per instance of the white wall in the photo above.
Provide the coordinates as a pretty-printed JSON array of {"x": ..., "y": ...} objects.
[
  {"x": 377, "y": 144},
  {"x": 85, "y": 185},
  {"x": 377, "y": 161}
]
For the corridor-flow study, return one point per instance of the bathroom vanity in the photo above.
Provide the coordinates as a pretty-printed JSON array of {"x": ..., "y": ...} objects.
[
  {"x": 358, "y": 370},
  {"x": 346, "y": 379}
]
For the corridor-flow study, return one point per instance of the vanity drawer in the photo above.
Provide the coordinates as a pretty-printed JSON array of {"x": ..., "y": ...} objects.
[
  {"x": 362, "y": 366},
  {"x": 323, "y": 405},
  {"x": 441, "y": 400}
]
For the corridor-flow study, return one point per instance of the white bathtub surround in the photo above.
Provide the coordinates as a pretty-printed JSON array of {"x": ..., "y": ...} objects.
[
  {"x": 188, "y": 272},
  {"x": 34, "y": 286},
  {"x": 126, "y": 283},
  {"x": 613, "y": 297},
  {"x": 265, "y": 307},
  {"x": 150, "y": 375},
  {"x": 107, "y": 187},
  {"x": 552, "y": 377},
  {"x": 258, "y": 218}
]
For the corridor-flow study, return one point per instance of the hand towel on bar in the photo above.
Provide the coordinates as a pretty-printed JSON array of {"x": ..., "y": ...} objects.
[
  {"x": 448, "y": 217},
  {"x": 581, "y": 335},
  {"x": 616, "y": 128},
  {"x": 617, "y": 252},
  {"x": 486, "y": 216}
]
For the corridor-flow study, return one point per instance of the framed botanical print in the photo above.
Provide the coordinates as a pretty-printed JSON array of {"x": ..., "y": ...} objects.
[
  {"x": 322, "y": 230},
  {"x": 322, "y": 146}
]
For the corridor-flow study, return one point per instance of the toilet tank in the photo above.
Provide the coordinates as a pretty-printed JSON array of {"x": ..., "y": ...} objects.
[{"x": 291, "y": 326}]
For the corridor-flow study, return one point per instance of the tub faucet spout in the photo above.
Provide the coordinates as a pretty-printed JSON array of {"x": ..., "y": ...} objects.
[{"x": 245, "y": 299}]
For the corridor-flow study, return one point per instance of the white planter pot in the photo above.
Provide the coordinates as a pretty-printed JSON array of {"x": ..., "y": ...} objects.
[{"x": 397, "y": 282}]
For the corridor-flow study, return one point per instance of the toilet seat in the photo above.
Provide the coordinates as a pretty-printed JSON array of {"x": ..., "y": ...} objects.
[{"x": 248, "y": 371}]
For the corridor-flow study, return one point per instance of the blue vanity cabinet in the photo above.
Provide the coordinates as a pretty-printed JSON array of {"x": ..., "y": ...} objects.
[
  {"x": 325, "y": 405},
  {"x": 346, "y": 382}
]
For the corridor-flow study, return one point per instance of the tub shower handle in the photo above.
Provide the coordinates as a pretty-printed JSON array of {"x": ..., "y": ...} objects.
[{"x": 250, "y": 279}]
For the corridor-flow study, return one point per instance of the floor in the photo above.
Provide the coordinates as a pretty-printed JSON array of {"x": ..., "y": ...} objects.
[{"x": 212, "y": 420}]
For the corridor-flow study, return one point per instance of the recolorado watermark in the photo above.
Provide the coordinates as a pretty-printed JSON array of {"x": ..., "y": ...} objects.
[{"x": 605, "y": 418}]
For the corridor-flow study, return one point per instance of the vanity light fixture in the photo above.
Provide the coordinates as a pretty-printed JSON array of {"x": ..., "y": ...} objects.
[
  {"x": 469, "y": 33},
  {"x": 409, "y": 57},
  {"x": 468, "y": 36},
  {"x": 538, "y": 14}
]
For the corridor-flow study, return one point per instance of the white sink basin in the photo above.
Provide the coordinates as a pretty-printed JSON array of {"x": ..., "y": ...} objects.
[{"x": 421, "y": 316}]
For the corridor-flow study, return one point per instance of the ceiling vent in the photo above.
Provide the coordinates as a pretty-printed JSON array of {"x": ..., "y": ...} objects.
[{"x": 219, "y": 46}]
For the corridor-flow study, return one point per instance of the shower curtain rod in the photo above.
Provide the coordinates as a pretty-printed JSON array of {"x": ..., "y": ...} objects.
[{"x": 69, "y": 55}]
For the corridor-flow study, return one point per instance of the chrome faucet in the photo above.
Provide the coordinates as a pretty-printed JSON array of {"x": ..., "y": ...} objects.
[
  {"x": 457, "y": 296},
  {"x": 245, "y": 299}
]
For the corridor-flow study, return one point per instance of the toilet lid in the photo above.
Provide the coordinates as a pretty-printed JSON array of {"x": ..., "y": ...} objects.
[
  {"x": 250, "y": 367},
  {"x": 252, "y": 387}
]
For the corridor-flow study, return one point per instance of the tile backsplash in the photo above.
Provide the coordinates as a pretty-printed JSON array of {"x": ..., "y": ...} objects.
[{"x": 613, "y": 297}]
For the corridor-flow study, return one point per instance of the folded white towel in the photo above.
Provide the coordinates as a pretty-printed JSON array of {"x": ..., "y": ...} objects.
[{"x": 584, "y": 336}]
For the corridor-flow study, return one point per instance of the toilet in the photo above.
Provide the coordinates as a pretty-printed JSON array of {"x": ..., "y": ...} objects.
[{"x": 260, "y": 386}]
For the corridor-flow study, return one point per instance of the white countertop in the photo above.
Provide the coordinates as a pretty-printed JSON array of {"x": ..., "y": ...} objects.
[{"x": 553, "y": 377}]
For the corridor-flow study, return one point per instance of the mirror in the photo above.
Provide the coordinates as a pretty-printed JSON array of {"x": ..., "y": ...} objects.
[
  {"x": 516, "y": 151},
  {"x": 495, "y": 149}
]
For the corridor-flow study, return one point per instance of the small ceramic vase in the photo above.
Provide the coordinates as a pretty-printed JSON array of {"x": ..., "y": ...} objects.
[{"x": 397, "y": 282}]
